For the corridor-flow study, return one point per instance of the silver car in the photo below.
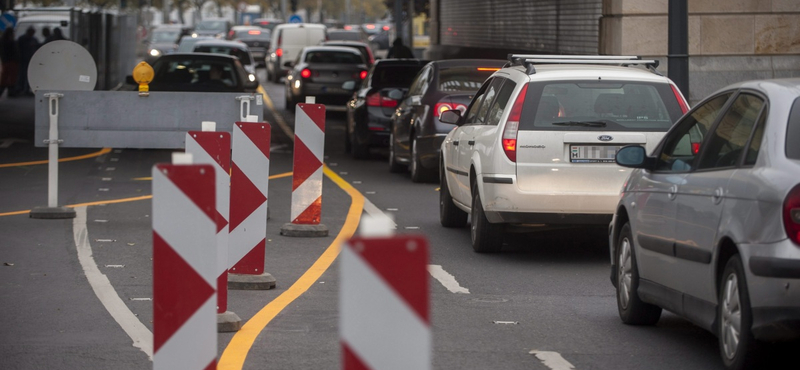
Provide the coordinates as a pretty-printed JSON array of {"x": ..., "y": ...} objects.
[{"x": 708, "y": 226}]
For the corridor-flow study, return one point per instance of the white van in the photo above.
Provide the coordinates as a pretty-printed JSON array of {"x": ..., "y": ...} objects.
[
  {"x": 39, "y": 22},
  {"x": 287, "y": 41}
]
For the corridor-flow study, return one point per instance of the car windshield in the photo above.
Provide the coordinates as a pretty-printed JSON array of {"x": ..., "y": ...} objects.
[
  {"x": 211, "y": 26},
  {"x": 189, "y": 73},
  {"x": 225, "y": 50},
  {"x": 394, "y": 76},
  {"x": 462, "y": 79},
  {"x": 336, "y": 57},
  {"x": 605, "y": 105},
  {"x": 165, "y": 36}
]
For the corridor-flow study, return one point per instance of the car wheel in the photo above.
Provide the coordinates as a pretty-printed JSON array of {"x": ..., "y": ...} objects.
[
  {"x": 738, "y": 347},
  {"x": 631, "y": 309},
  {"x": 486, "y": 237},
  {"x": 449, "y": 214},
  {"x": 394, "y": 167},
  {"x": 419, "y": 173}
]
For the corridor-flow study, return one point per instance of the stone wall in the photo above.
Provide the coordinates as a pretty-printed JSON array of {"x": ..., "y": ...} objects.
[{"x": 729, "y": 40}]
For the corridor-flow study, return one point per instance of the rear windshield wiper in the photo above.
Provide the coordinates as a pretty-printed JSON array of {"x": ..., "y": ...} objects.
[{"x": 581, "y": 123}]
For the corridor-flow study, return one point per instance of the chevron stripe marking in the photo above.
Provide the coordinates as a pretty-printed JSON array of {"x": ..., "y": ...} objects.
[
  {"x": 250, "y": 262},
  {"x": 245, "y": 197},
  {"x": 316, "y": 112},
  {"x": 305, "y": 163},
  {"x": 258, "y": 133},
  {"x": 186, "y": 177},
  {"x": 215, "y": 142},
  {"x": 311, "y": 215}
]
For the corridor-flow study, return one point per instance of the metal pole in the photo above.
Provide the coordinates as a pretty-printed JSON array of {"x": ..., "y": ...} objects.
[
  {"x": 678, "y": 53},
  {"x": 398, "y": 20},
  {"x": 411, "y": 25},
  {"x": 52, "y": 211},
  {"x": 283, "y": 11}
]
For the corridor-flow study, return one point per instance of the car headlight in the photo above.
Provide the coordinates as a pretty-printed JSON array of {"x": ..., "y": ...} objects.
[
  {"x": 194, "y": 34},
  {"x": 155, "y": 52},
  {"x": 252, "y": 77}
]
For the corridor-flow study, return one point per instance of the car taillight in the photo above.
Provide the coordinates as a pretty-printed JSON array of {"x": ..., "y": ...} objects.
[
  {"x": 376, "y": 100},
  {"x": 440, "y": 108},
  {"x": 305, "y": 73},
  {"x": 363, "y": 74},
  {"x": 254, "y": 32},
  {"x": 279, "y": 52},
  {"x": 695, "y": 148},
  {"x": 509, "y": 139},
  {"x": 679, "y": 97},
  {"x": 791, "y": 215}
]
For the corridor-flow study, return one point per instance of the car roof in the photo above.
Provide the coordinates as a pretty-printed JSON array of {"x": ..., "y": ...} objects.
[
  {"x": 344, "y": 42},
  {"x": 199, "y": 56},
  {"x": 401, "y": 62},
  {"x": 588, "y": 71},
  {"x": 218, "y": 42},
  {"x": 301, "y": 25},
  {"x": 787, "y": 86},
  {"x": 449, "y": 63},
  {"x": 331, "y": 48}
]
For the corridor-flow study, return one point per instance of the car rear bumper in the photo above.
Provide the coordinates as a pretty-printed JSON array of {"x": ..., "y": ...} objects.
[
  {"x": 773, "y": 280},
  {"x": 504, "y": 202}
]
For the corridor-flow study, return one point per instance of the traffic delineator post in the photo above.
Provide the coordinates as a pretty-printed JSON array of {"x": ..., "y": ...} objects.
[
  {"x": 248, "y": 209},
  {"x": 384, "y": 303},
  {"x": 184, "y": 265},
  {"x": 309, "y": 148},
  {"x": 214, "y": 148}
]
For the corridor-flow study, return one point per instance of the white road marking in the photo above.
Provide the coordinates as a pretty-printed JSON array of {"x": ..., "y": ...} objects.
[
  {"x": 448, "y": 280},
  {"x": 552, "y": 360},
  {"x": 375, "y": 212},
  {"x": 141, "y": 336}
]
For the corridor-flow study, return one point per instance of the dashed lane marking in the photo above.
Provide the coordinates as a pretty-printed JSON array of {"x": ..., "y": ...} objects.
[
  {"x": 552, "y": 360},
  {"x": 447, "y": 279}
]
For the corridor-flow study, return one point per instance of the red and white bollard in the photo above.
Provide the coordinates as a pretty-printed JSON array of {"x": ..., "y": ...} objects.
[
  {"x": 184, "y": 265},
  {"x": 384, "y": 304},
  {"x": 214, "y": 148},
  {"x": 249, "y": 199},
  {"x": 309, "y": 148}
]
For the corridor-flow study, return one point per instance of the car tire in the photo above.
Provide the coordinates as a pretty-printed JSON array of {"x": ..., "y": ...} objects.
[
  {"x": 486, "y": 237},
  {"x": 449, "y": 215},
  {"x": 419, "y": 173},
  {"x": 394, "y": 167},
  {"x": 739, "y": 350},
  {"x": 632, "y": 310}
]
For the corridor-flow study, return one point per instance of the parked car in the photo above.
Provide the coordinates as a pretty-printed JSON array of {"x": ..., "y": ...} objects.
[
  {"x": 321, "y": 71},
  {"x": 287, "y": 41},
  {"x": 214, "y": 27},
  {"x": 234, "y": 48},
  {"x": 708, "y": 224},
  {"x": 164, "y": 40},
  {"x": 257, "y": 41},
  {"x": 535, "y": 148},
  {"x": 370, "y": 110},
  {"x": 416, "y": 132},
  {"x": 202, "y": 72},
  {"x": 363, "y": 48}
]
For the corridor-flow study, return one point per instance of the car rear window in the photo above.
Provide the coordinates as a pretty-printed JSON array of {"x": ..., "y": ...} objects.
[
  {"x": 394, "y": 76},
  {"x": 336, "y": 57},
  {"x": 793, "y": 132},
  {"x": 599, "y": 105},
  {"x": 463, "y": 79},
  {"x": 200, "y": 72},
  {"x": 224, "y": 50}
]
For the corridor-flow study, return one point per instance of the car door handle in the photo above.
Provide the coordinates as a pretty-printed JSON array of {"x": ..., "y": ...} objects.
[
  {"x": 673, "y": 191},
  {"x": 455, "y": 143},
  {"x": 717, "y": 197},
  {"x": 471, "y": 142}
]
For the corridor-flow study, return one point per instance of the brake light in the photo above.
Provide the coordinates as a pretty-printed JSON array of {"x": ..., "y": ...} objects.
[
  {"x": 440, "y": 108},
  {"x": 679, "y": 97},
  {"x": 254, "y": 32},
  {"x": 509, "y": 139},
  {"x": 487, "y": 69},
  {"x": 385, "y": 28},
  {"x": 695, "y": 148},
  {"x": 348, "y": 28},
  {"x": 376, "y": 100},
  {"x": 305, "y": 73},
  {"x": 791, "y": 215},
  {"x": 279, "y": 52},
  {"x": 363, "y": 74},
  {"x": 370, "y": 26}
]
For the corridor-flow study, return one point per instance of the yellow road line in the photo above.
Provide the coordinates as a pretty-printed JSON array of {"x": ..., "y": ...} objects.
[
  {"x": 123, "y": 200},
  {"x": 236, "y": 352},
  {"x": 68, "y": 159},
  {"x": 281, "y": 123}
]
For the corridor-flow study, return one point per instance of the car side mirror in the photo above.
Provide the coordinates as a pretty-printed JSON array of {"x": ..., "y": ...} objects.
[
  {"x": 451, "y": 116},
  {"x": 633, "y": 156},
  {"x": 251, "y": 85},
  {"x": 395, "y": 94},
  {"x": 349, "y": 85}
]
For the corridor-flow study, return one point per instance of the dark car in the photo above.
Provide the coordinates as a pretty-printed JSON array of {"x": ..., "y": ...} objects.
[
  {"x": 321, "y": 71},
  {"x": 362, "y": 47},
  {"x": 369, "y": 112},
  {"x": 200, "y": 72},
  {"x": 164, "y": 40},
  {"x": 257, "y": 40},
  {"x": 225, "y": 47},
  {"x": 416, "y": 132},
  {"x": 215, "y": 27}
]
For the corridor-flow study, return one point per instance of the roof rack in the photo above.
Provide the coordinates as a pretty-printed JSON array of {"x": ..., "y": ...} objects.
[{"x": 529, "y": 60}]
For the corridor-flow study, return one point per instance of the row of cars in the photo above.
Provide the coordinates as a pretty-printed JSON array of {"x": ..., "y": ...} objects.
[{"x": 702, "y": 204}]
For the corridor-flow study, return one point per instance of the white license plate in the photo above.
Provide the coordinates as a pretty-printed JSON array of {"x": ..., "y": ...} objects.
[{"x": 593, "y": 153}]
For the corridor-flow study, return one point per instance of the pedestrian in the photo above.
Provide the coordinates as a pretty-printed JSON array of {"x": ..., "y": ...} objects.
[
  {"x": 57, "y": 35},
  {"x": 398, "y": 50},
  {"x": 27, "y": 45},
  {"x": 9, "y": 57},
  {"x": 45, "y": 34}
]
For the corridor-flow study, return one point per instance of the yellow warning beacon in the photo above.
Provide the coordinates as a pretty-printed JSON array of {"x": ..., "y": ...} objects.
[{"x": 143, "y": 74}]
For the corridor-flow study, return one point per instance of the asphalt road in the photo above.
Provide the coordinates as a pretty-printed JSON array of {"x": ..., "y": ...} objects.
[{"x": 547, "y": 292}]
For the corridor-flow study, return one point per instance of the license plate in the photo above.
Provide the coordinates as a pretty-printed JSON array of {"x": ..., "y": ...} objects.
[{"x": 593, "y": 153}]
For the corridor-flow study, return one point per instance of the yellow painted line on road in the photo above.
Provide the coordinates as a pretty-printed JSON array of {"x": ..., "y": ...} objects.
[
  {"x": 281, "y": 123},
  {"x": 122, "y": 200},
  {"x": 236, "y": 352},
  {"x": 68, "y": 159}
]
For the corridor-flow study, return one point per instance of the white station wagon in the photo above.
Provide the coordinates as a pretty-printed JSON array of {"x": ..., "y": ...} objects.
[{"x": 536, "y": 145}]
